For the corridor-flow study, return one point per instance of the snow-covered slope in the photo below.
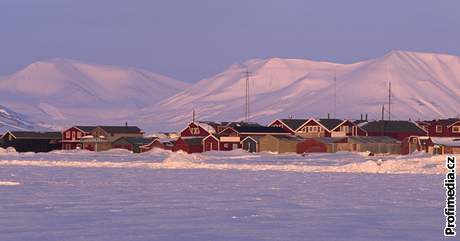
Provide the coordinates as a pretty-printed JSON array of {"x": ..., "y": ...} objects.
[
  {"x": 423, "y": 86},
  {"x": 10, "y": 120},
  {"x": 61, "y": 91}
]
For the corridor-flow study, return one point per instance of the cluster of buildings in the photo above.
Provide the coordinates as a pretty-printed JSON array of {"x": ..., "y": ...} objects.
[{"x": 280, "y": 136}]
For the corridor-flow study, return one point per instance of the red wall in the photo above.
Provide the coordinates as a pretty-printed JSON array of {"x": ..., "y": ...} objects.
[
  {"x": 446, "y": 132},
  {"x": 278, "y": 123},
  {"x": 186, "y": 131},
  {"x": 182, "y": 145},
  {"x": 311, "y": 145},
  {"x": 207, "y": 142}
]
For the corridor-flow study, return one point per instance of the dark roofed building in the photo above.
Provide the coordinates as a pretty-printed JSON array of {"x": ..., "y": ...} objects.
[
  {"x": 395, "y": 128},
  {"x": 30, "y": 141},
  {"x": 290, "y": 125},
  {"x": 131, "y": 143},
  {"x": 121, "y": 129},
  {"x": 444, "y": 127}
]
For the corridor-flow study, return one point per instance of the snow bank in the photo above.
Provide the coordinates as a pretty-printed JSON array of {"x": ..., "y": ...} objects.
[
  {"x": 337, "y": 162},
  {"x": 8, "y": 183}
]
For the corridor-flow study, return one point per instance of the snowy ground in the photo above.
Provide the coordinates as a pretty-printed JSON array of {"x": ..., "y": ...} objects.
[{"x": 219, "y": 196}]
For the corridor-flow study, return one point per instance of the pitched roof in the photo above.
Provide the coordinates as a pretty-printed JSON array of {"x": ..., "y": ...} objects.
[
  {"x": 330, "y": 123},
  {"x": 288, "y": 138},
  {"x": 86, "y": 128},
  {"x": 259, "y": 129},
  {"x": 36, "y": 135},
  {"x": 446, "y": 141},
  {"x": 393, "y": 126},
  {"x": 121, "y": 129},
  {"x": 446, "y": 122},
  {"x": 137, "y": 140},
  {"x": 374, "y": 139},
  {"x": 294, "y": 124}
]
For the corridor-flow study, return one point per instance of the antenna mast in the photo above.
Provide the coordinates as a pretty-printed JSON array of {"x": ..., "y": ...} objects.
[
  {"x": 247, "y": 96},
  {"x": 389, "y": 100}
]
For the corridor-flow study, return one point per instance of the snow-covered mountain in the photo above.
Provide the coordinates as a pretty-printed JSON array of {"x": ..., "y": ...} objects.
[
  {"x": 62, "y": 92},
  {"x": 424, "y": 85},
  {"x": 10, "y": 120}
]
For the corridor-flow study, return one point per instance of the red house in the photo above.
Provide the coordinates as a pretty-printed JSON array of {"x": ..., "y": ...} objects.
[
  {"x": 394, "y": 128},
  {"x": 318, "y": 127},
  {"x": 189, "y": 144},
  {"x": 198, "y": 129},
  {"x": 71, "y": 138},
  {"x": 444, "y": 127}
]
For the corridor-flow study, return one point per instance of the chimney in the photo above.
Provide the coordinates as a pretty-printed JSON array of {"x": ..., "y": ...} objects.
[
  {"x": 126, "y": 123},
  {"x": 366, "y": 116},
  {"x": 193, "y": 116},
  {"x": 328, "y": 115},
  {"x": 361, "y": 117}
]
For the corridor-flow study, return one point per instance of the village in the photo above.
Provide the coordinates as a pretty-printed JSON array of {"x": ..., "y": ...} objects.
[{"x": 301, "y": 136}]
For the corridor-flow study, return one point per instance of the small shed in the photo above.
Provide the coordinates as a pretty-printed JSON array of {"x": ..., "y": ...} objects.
[
  {"x": 279, "y": 143},
  {"x": 189, "y": 144},
  {"x": 319, "y": 144},
  {"x": 375, "y": 144},
  {"x": 30, "y": 141},
  {"x": 251, "y": 143},
  {"x": 131, "y": 143},
  {"x": 444, "y": 145}
]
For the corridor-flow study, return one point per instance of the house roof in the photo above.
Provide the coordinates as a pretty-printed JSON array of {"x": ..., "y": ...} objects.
[
  {"x": 294, "y": 124},
  {"x": 36, "y": 135},
  {"x": 374, "y": 139},
  {"x": 446, "y": 122},
  {"x": 121, "y": 129},
  {"x": 330, "y": 124},
  {"x": 446, "y": 141},
  {"x": 393, "y": 127},
  {"x": 287, "y": 138},
  {"x": 136, "y": 140},
  {"x": 259, "y": 129},
  {"x": 86, "y": 128}
]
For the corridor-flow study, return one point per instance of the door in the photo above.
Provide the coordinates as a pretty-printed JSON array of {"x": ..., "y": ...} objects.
[
  {"x": 208, "y": 146},
  {"x": 234, "y": 146}
]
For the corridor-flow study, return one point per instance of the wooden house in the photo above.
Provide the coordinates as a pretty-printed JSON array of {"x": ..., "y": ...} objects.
[
  {"x": 29, "y": 141},
  {"x": 131, "y": 143},
  {"x": 444, "y": 127},
  {"x": 211, "y": 143},
  {"x": 101, "y": 137},
  {"x": 395, "y": 128},
  {"x": 374, "y": 144},
  {"x": 433, "y": 145},
  {"x": 251, "y": 143},
  {"x": 189, "y": 144},
  {"x": 414, "y": 143},
  {"x": 71, "y": 137},
  {"x": 198, "y": 129},
  {"x": 279, "y": 143},
  {"x": 231, "y": 137}
]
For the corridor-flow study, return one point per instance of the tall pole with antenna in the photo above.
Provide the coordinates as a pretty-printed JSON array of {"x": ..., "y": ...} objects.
[
  {"x": 247, "y": 100},
  {"x": 389, "y": 100}
]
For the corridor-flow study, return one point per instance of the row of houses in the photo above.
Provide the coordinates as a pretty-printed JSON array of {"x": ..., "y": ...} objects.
[{"x": 280, "y": 136}]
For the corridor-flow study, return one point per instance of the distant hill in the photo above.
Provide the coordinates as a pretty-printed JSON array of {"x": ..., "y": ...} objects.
[{"x": 62, "y": 92}]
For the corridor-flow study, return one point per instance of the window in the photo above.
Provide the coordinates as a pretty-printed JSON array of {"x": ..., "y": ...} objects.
[
  {"x": 304, "y": 129},
  {"x": 456, "y": 129},
  {"x": 73, "y": 135},
  {"x": 225, "y": 145},
  {"x": 438, "y": 129},
  {"x": 78, "y": 135},
  {"x": 67, "y": 134},
  {"x": 196, "y": 130},
  {"x": 414, "y": 140},
  {"x": 344, "y": 129},
  {"x": 313, "y": 129}
]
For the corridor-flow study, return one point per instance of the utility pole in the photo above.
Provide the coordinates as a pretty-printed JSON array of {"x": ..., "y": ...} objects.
[
  {"x": 389, "y": 100},
  {"x": 193, "y": 115}
]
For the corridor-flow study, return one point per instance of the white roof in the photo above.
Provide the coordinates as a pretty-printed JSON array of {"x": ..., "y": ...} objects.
[
  {"x": 446, "y": 141},
  {"x": 206, "y": 126}
]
